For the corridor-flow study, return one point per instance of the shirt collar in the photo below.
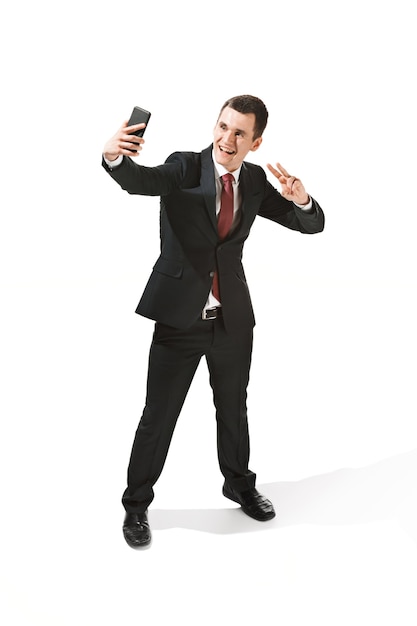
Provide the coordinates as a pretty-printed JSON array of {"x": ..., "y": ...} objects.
[{"x": 220, "y": 170}]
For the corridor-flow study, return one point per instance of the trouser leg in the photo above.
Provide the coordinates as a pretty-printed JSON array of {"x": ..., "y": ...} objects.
[
  {"x": 173, "y": 360},
  {"x": 229, "y": 362}
]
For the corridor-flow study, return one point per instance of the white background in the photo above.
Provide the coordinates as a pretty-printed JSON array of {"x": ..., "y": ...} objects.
[{"x": 332, "y": 393}]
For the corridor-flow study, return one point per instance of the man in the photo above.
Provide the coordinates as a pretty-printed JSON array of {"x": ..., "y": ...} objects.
[{"x": 197, "y": 292}]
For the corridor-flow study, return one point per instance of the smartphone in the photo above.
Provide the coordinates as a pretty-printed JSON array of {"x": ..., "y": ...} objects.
[{"x": 138, "y": 117}]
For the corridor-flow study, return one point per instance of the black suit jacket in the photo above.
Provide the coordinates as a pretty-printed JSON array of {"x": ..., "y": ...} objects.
[{"x": 181, "y": 279}]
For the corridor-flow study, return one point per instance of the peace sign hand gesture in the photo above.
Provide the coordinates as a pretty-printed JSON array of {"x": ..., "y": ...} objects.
[{"x": 291, "y": 187}]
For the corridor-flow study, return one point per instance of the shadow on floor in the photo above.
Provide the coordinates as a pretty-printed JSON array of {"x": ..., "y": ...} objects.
[{"x": 384, "y": 491}]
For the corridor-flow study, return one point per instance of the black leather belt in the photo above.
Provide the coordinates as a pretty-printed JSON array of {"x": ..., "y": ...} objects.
[{"x": 212, "y": 314}]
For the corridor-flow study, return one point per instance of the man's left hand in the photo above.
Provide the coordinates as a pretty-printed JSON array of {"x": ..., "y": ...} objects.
[{"x": 291, "y": 187}]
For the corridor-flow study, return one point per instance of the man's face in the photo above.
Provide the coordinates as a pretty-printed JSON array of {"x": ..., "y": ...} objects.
[{"x": 233, "y": 138}]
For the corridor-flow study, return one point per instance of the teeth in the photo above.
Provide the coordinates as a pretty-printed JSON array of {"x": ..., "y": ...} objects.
[{"x": 225, "y": 150}]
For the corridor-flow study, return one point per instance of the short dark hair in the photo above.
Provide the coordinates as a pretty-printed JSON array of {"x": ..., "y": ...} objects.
[{"x": 250, "y": 104}]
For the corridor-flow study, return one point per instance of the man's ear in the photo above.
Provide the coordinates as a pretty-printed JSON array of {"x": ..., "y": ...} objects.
[{"x": 256, "y": 144}]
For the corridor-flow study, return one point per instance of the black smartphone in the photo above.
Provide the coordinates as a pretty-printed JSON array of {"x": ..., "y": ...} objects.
[{"x": 138, "y": 117}]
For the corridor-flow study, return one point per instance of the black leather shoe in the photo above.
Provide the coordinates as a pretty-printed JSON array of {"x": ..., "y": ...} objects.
[
  {"x": 252, "y": 502},
  {"x": 136, "y": 530}
]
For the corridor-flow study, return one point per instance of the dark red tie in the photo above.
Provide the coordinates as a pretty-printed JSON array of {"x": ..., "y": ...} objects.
[{"x": 225, "y": 219}]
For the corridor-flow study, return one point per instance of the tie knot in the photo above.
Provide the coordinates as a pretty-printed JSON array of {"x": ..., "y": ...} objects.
[{"x": 228, "y": 178}]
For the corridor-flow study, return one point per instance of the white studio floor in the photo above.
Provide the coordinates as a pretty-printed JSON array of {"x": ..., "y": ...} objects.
[{"x": 343, "y": 550}]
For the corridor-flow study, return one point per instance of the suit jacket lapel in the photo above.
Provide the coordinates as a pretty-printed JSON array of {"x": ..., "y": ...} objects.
[
  {"x": 208, "y": 186},
  {"x": 249, "y": 192}
]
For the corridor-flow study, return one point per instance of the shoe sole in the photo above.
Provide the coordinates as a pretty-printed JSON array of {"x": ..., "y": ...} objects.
[{"x": 143, "y": 544}]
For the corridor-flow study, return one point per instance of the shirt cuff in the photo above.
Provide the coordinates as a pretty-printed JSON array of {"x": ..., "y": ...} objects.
[
  {"x": 114, "y": 163},
  {"x": 305, "y": 207}
]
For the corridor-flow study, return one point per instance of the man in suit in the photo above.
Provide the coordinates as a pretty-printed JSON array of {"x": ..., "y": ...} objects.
[{"x": 197, "y": 292}]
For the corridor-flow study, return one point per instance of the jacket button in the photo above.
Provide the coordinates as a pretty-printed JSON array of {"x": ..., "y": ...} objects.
[{"x": 211, "y": 274}]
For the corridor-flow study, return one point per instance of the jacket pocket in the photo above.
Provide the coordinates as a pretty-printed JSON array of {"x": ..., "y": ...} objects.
[{"x": 168, "y": 267}]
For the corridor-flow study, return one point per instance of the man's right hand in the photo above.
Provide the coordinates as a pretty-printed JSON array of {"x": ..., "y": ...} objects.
[{"x": 124, "y": 143}]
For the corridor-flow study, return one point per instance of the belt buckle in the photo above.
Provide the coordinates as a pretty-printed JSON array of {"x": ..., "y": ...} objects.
[{"x": 209, "y": 314}]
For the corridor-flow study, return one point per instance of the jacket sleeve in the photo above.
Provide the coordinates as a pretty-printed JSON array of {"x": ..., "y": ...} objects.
[
  {"x": 148, "y": 181},
  {"x": 276, "y": 208}
]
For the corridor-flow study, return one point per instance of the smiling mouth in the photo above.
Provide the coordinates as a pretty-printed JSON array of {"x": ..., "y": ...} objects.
[{"x": 226, "y": 150}]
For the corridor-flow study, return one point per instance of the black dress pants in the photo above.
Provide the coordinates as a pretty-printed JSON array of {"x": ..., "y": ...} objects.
[{"x": 173, "y": 360}]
